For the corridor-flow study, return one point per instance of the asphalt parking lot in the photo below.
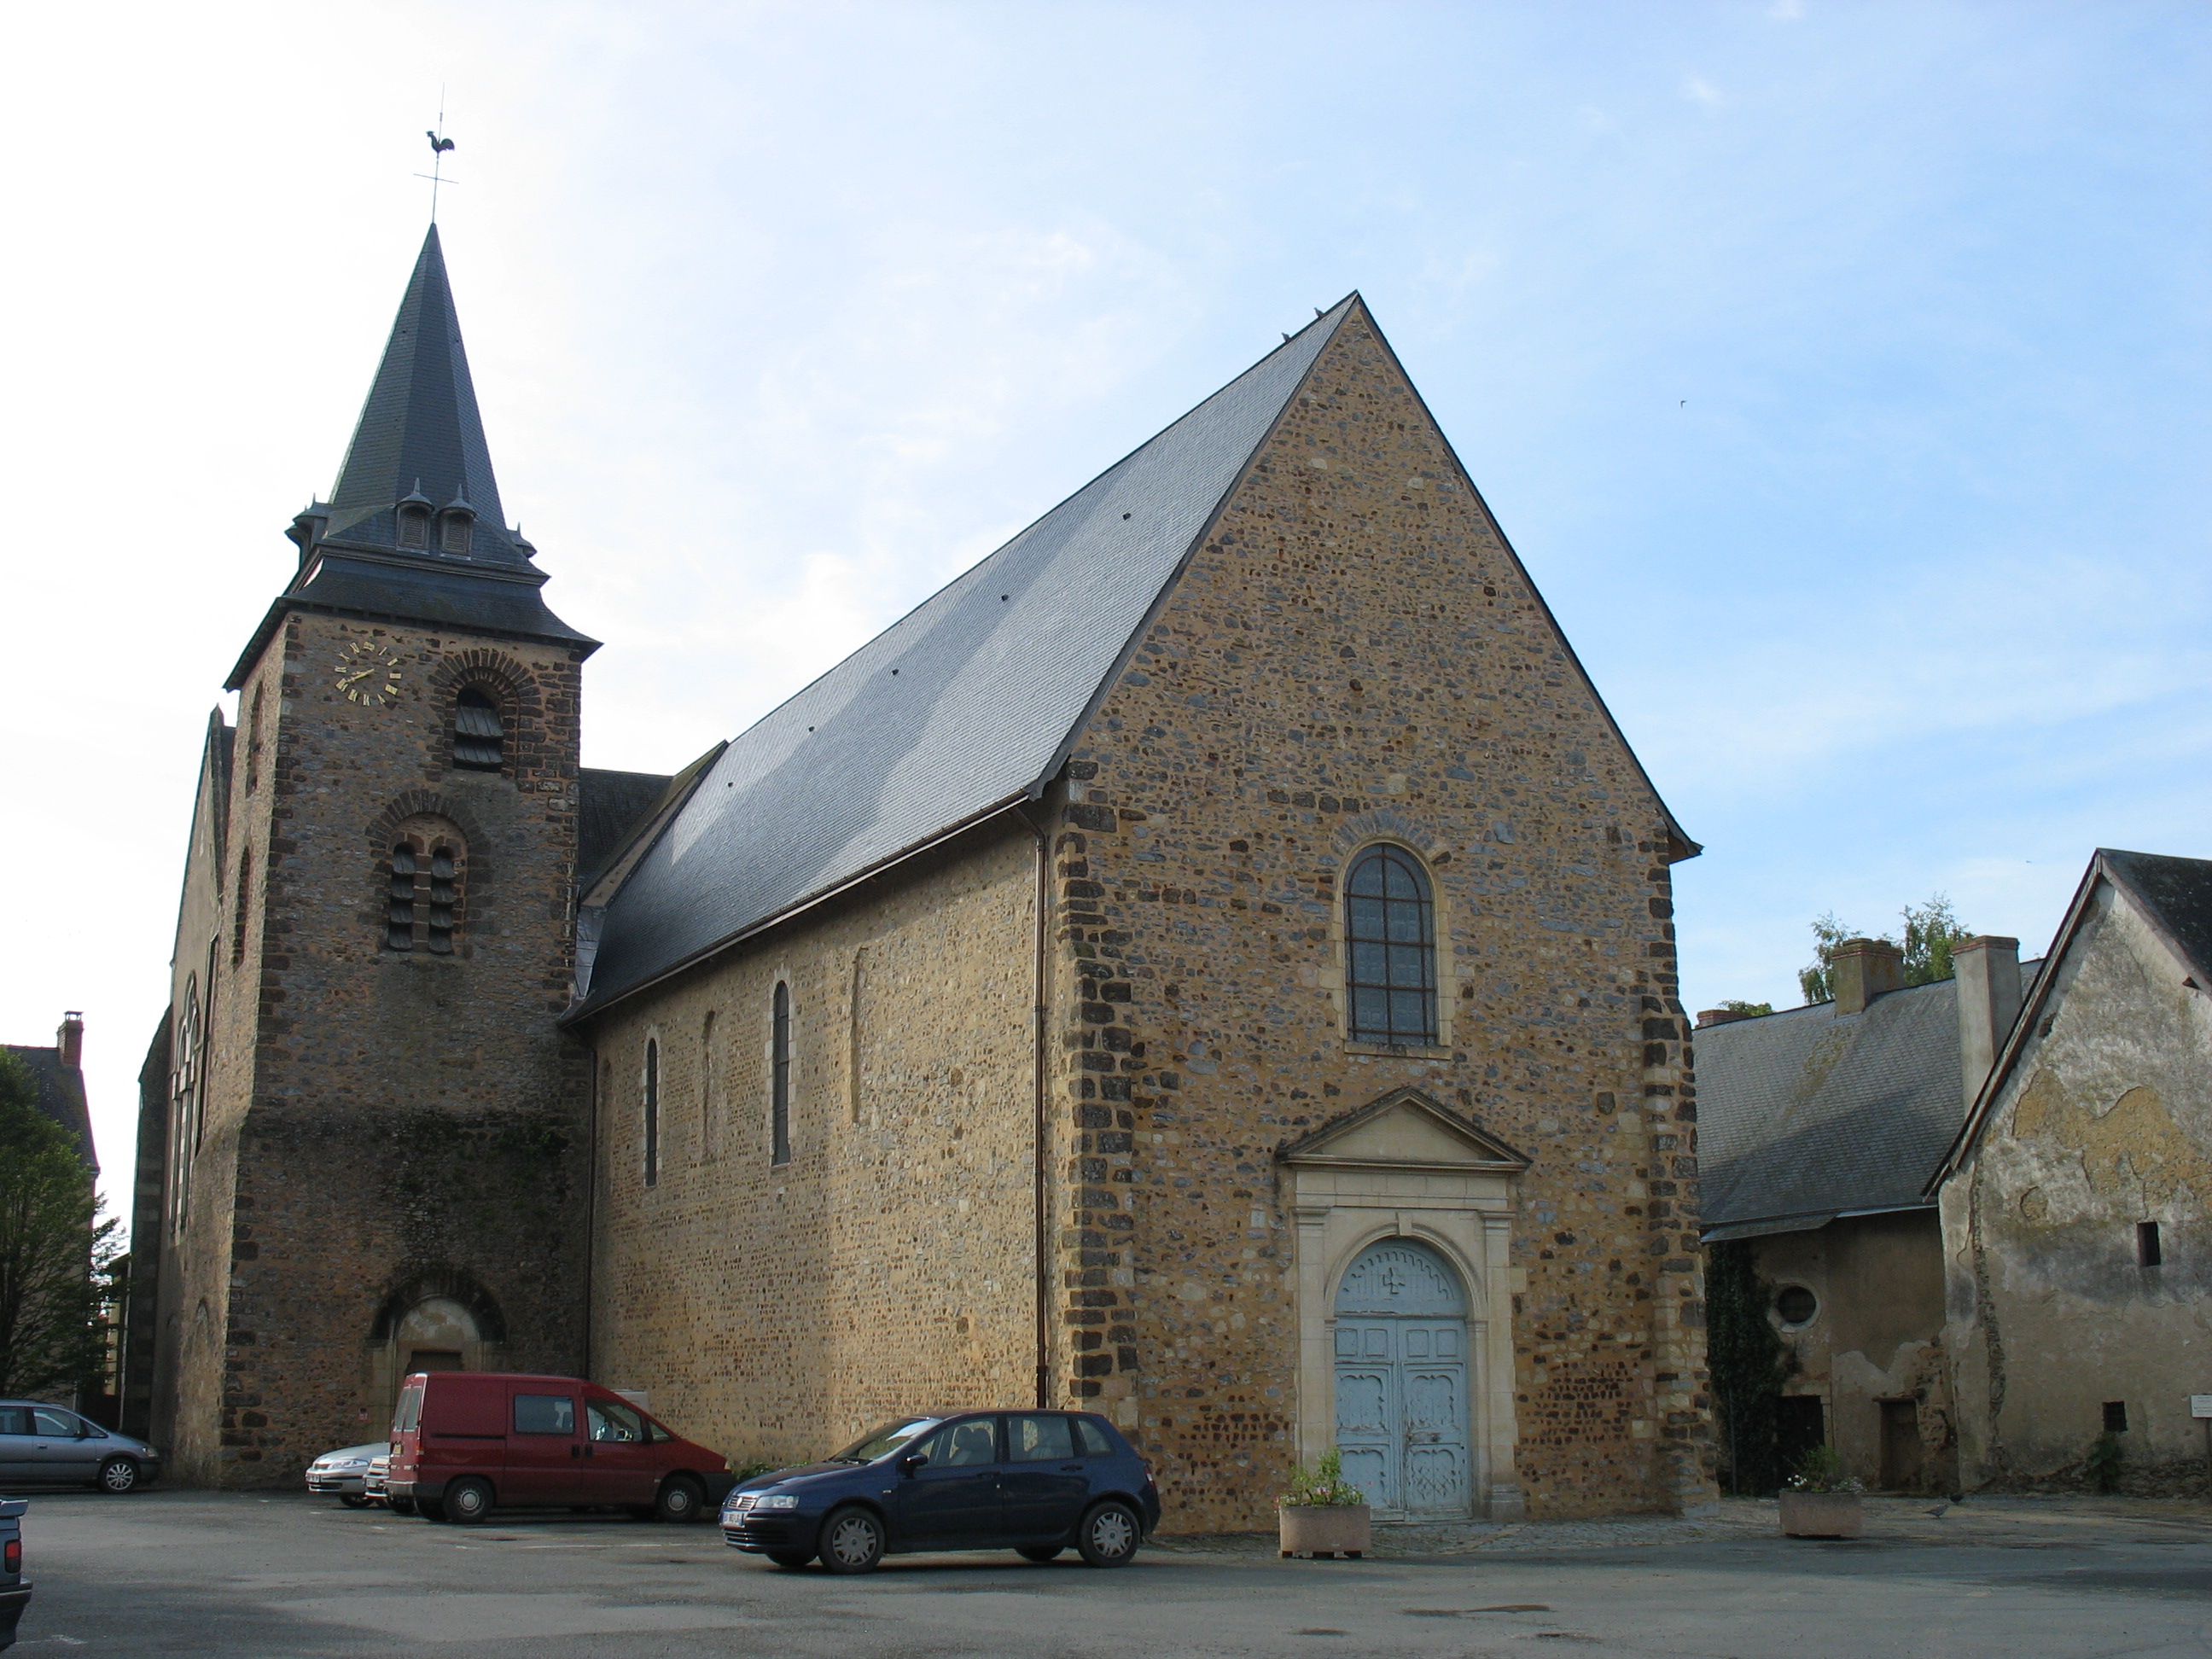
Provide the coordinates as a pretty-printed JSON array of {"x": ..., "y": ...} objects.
[{"x": 182, "y": 1572}]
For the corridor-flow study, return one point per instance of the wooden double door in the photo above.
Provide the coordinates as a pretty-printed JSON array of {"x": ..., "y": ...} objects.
[{"x": 1401, "y": 1383}]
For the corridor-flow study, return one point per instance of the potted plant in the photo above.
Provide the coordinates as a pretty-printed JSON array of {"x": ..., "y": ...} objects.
[
  {"x": 1821, "y": 1501},
  {"x": 1322, "y": 1515}
]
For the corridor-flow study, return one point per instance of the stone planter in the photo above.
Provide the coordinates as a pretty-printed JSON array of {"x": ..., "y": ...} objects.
[
  {"x": 1822, "y": 1514},
  {"x": 1326, "y": 1529}
]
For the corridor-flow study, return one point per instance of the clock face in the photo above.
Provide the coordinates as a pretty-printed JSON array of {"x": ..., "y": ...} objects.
[{"x": 368, "y": 674}]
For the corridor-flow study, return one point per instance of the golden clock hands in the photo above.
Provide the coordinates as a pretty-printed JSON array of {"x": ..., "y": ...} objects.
[{"x": 349, "y": 678}]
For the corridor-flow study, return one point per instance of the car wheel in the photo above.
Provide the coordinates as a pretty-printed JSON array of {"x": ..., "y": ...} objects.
[
  {"x": 1110, "y": 1535},
  {"x": 852, "y": 1541},
  {"x": 790, "y": 1557},
  {"x": 400, "y": 1505},
  {"x": 467, "y": 1501},
  {"x": 353, "y": 1500},
  {"x": 429, "y": 1508},
  {"x": 680, "y": 1500},
  {"x": 118, "y": 1474}
]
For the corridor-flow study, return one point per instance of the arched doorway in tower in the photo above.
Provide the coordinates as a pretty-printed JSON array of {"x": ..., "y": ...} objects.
[
  {"x": 1401, "y": 1381},
  {"x": 443, "y": 1324}
]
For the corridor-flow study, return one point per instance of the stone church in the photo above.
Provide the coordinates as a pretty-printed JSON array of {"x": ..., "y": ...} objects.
[{"x": 1211, "y": 963}]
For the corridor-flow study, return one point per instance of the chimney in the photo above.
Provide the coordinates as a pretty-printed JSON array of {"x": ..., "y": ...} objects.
[
  {"x": 1989, "y": 1002},
  {"x": 1719, "y": 1017},
  {"x": 1861, "y": 969},
  {"x": 69, "y": 1040}
]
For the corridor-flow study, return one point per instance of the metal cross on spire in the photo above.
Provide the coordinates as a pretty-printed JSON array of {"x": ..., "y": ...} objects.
[{"x": 440, "y": 146}]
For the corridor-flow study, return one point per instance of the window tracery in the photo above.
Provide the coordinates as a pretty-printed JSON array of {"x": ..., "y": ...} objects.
[{"x": 1390, "y": 967}]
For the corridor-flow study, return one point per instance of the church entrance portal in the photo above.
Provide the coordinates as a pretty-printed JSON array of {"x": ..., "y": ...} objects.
[{"x": 1401, "y": 1382}]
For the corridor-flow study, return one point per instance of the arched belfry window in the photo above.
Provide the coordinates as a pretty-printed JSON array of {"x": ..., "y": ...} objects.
[
  {"x": 413, "y": 525},
  {"x": 455, "y": 532},
  {"x": 1391, "y": 946},
  {"x": 422, "y": 894},
  {"x": 479, "y": 740},
  {"x": 780, "y": 1076}
]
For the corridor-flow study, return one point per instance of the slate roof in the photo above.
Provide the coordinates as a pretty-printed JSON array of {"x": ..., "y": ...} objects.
[
  {"x": 420, "y": 437},
  {"x": 608, "y": 805},
  {"x": 2177, "y": 895},
  {"x": 962, "y": 707},
  {"x": 1808, "y": 1113},
  {"x": 61, "y": 1095}
]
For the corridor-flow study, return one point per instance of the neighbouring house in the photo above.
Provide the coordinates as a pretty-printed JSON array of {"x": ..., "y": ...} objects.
[
  {"x": 1820, "y": 1126},
  {"x": 59, "y": 1071},
  {"x": 2074, "y": 1200},
  {"x": 1213, "y": 961}
]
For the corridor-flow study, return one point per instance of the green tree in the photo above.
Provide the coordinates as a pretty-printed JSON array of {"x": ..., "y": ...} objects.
[
  {"x": 1748, "y": 1364},
  {"x": 56, "y": 1249},
  {"x": 1930, "y": 932},
  {"x": 1738, "y": 1005}
]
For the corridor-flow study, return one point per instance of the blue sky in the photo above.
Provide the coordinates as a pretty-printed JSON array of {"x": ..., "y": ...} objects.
[{"x": 1839, "y": 371}]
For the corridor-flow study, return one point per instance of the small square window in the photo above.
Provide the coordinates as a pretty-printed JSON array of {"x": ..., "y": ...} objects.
[
  {"x": 2148, "y": 1251},
  {"x": 2115, "y": 1417}
]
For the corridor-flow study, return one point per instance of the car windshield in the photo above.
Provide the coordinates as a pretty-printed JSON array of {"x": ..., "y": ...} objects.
[{"x": 885, "y": 1441}]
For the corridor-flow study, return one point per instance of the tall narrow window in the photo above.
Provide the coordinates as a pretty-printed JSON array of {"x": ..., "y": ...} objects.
[
  {"x": 479, "y": 742},
  {"x": 245, "y": 899},
  {"x": 779, "y": 1120},
  {"x": 455, "y": 539},
  {"x": 422, "y": 888},
  {"x": 413, "y": 525},
  {"x": 1390, "y": 947},
  {"x": 2148, "y": 1252},
  {"x": 710, "y": 1124},
  {"x": 651, "y": 1112}
]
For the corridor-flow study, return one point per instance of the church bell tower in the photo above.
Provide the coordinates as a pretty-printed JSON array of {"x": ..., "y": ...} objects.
[{"x": 374, "y": 1145}]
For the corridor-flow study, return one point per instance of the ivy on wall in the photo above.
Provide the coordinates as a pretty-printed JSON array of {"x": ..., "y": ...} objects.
[{"x": 1748, "y": 1362}]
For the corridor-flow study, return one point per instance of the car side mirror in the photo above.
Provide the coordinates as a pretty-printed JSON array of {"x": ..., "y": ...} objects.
[{"x": 910, "y": 1462}]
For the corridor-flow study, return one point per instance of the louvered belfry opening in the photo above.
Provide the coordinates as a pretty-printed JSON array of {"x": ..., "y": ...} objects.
[
  {"x": 423, "y": 897},
  {"x": 479, "y": 740}
]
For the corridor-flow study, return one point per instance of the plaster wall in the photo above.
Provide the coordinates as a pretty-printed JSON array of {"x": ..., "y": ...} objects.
[
  {"x": 1876, "y": 1336},
  {"x": 2104, "y": 1123}
]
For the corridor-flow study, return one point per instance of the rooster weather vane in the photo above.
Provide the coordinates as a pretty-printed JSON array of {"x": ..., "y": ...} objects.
[{"x": 440, "y": 146}]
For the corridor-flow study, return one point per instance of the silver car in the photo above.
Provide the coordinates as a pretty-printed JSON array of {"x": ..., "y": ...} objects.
[
  {"x": 345, "y": 1473},
  {"x": 52, "y": 1445}
]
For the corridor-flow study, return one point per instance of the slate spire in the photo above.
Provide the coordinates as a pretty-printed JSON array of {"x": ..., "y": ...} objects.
[
  {"x": 419, "y": 433},
  {"x": 414, "y": 530}
]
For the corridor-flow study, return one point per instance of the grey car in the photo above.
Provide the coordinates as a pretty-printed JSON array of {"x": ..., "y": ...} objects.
[
  {"x": 345, "y": 1473},
  {"x": 50, "y": 1445}
]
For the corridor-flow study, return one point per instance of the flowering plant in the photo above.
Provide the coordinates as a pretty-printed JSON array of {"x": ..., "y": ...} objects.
[
  {"x": 1323, "y": 1486},
  {"x": 1820, "y": 1470}
]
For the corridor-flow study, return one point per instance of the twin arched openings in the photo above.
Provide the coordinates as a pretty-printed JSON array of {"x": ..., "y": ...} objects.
[
  {"x": 425, "y": 874},
  {"x": 1390, "y": 950}
]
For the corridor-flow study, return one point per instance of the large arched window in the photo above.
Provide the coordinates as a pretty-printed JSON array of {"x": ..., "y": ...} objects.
[
  {"x": 651, "y": 1111},
  {"x": 185, "y": 1095},
  {"x": 1391, "y": 946},
  {"x": 422, "y": 892},
  {"x": 778, "y": 1121},
  {"x": 479, "y": 741}
]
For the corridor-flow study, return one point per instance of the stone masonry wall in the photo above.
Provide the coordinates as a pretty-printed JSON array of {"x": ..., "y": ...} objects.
[
  {"x": 1354, "y": 654},
  {"x": 382, "y": 1123},
  {"x": 776, "y": 1311}
]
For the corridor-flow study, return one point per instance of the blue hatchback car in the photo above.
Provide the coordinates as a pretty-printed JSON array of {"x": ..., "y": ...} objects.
[{"x": 1033, "y": 1482}]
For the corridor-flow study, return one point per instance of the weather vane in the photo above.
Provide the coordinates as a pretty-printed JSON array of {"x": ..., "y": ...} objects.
[{"x": 440, "y": 146}]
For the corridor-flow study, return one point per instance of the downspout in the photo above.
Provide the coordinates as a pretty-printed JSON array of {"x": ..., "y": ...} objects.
[
  {"x": 1041, "y": 1217},
  {"x": 591, "y": 1199}
]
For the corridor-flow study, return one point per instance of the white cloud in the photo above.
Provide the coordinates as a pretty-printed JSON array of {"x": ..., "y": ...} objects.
[{"x": 1698, "y": 90}]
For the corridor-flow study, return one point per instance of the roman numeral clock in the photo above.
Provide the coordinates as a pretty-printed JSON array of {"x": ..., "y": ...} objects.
[{"x": 368, "y": 674}]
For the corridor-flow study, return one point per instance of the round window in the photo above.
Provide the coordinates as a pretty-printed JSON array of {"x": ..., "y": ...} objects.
[{"x": 1795, "y": 1305}]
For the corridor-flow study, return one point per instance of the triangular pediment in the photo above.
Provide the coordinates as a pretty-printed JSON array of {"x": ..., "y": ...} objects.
[{"x": 1404, "y": 1129}]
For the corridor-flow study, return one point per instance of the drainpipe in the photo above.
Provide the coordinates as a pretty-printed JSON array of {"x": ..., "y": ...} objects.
[{"x": 1041, "y": 1218}]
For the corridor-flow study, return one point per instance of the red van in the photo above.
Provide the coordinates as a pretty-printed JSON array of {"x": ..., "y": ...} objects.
[{"x": 464, "y": 1442}]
